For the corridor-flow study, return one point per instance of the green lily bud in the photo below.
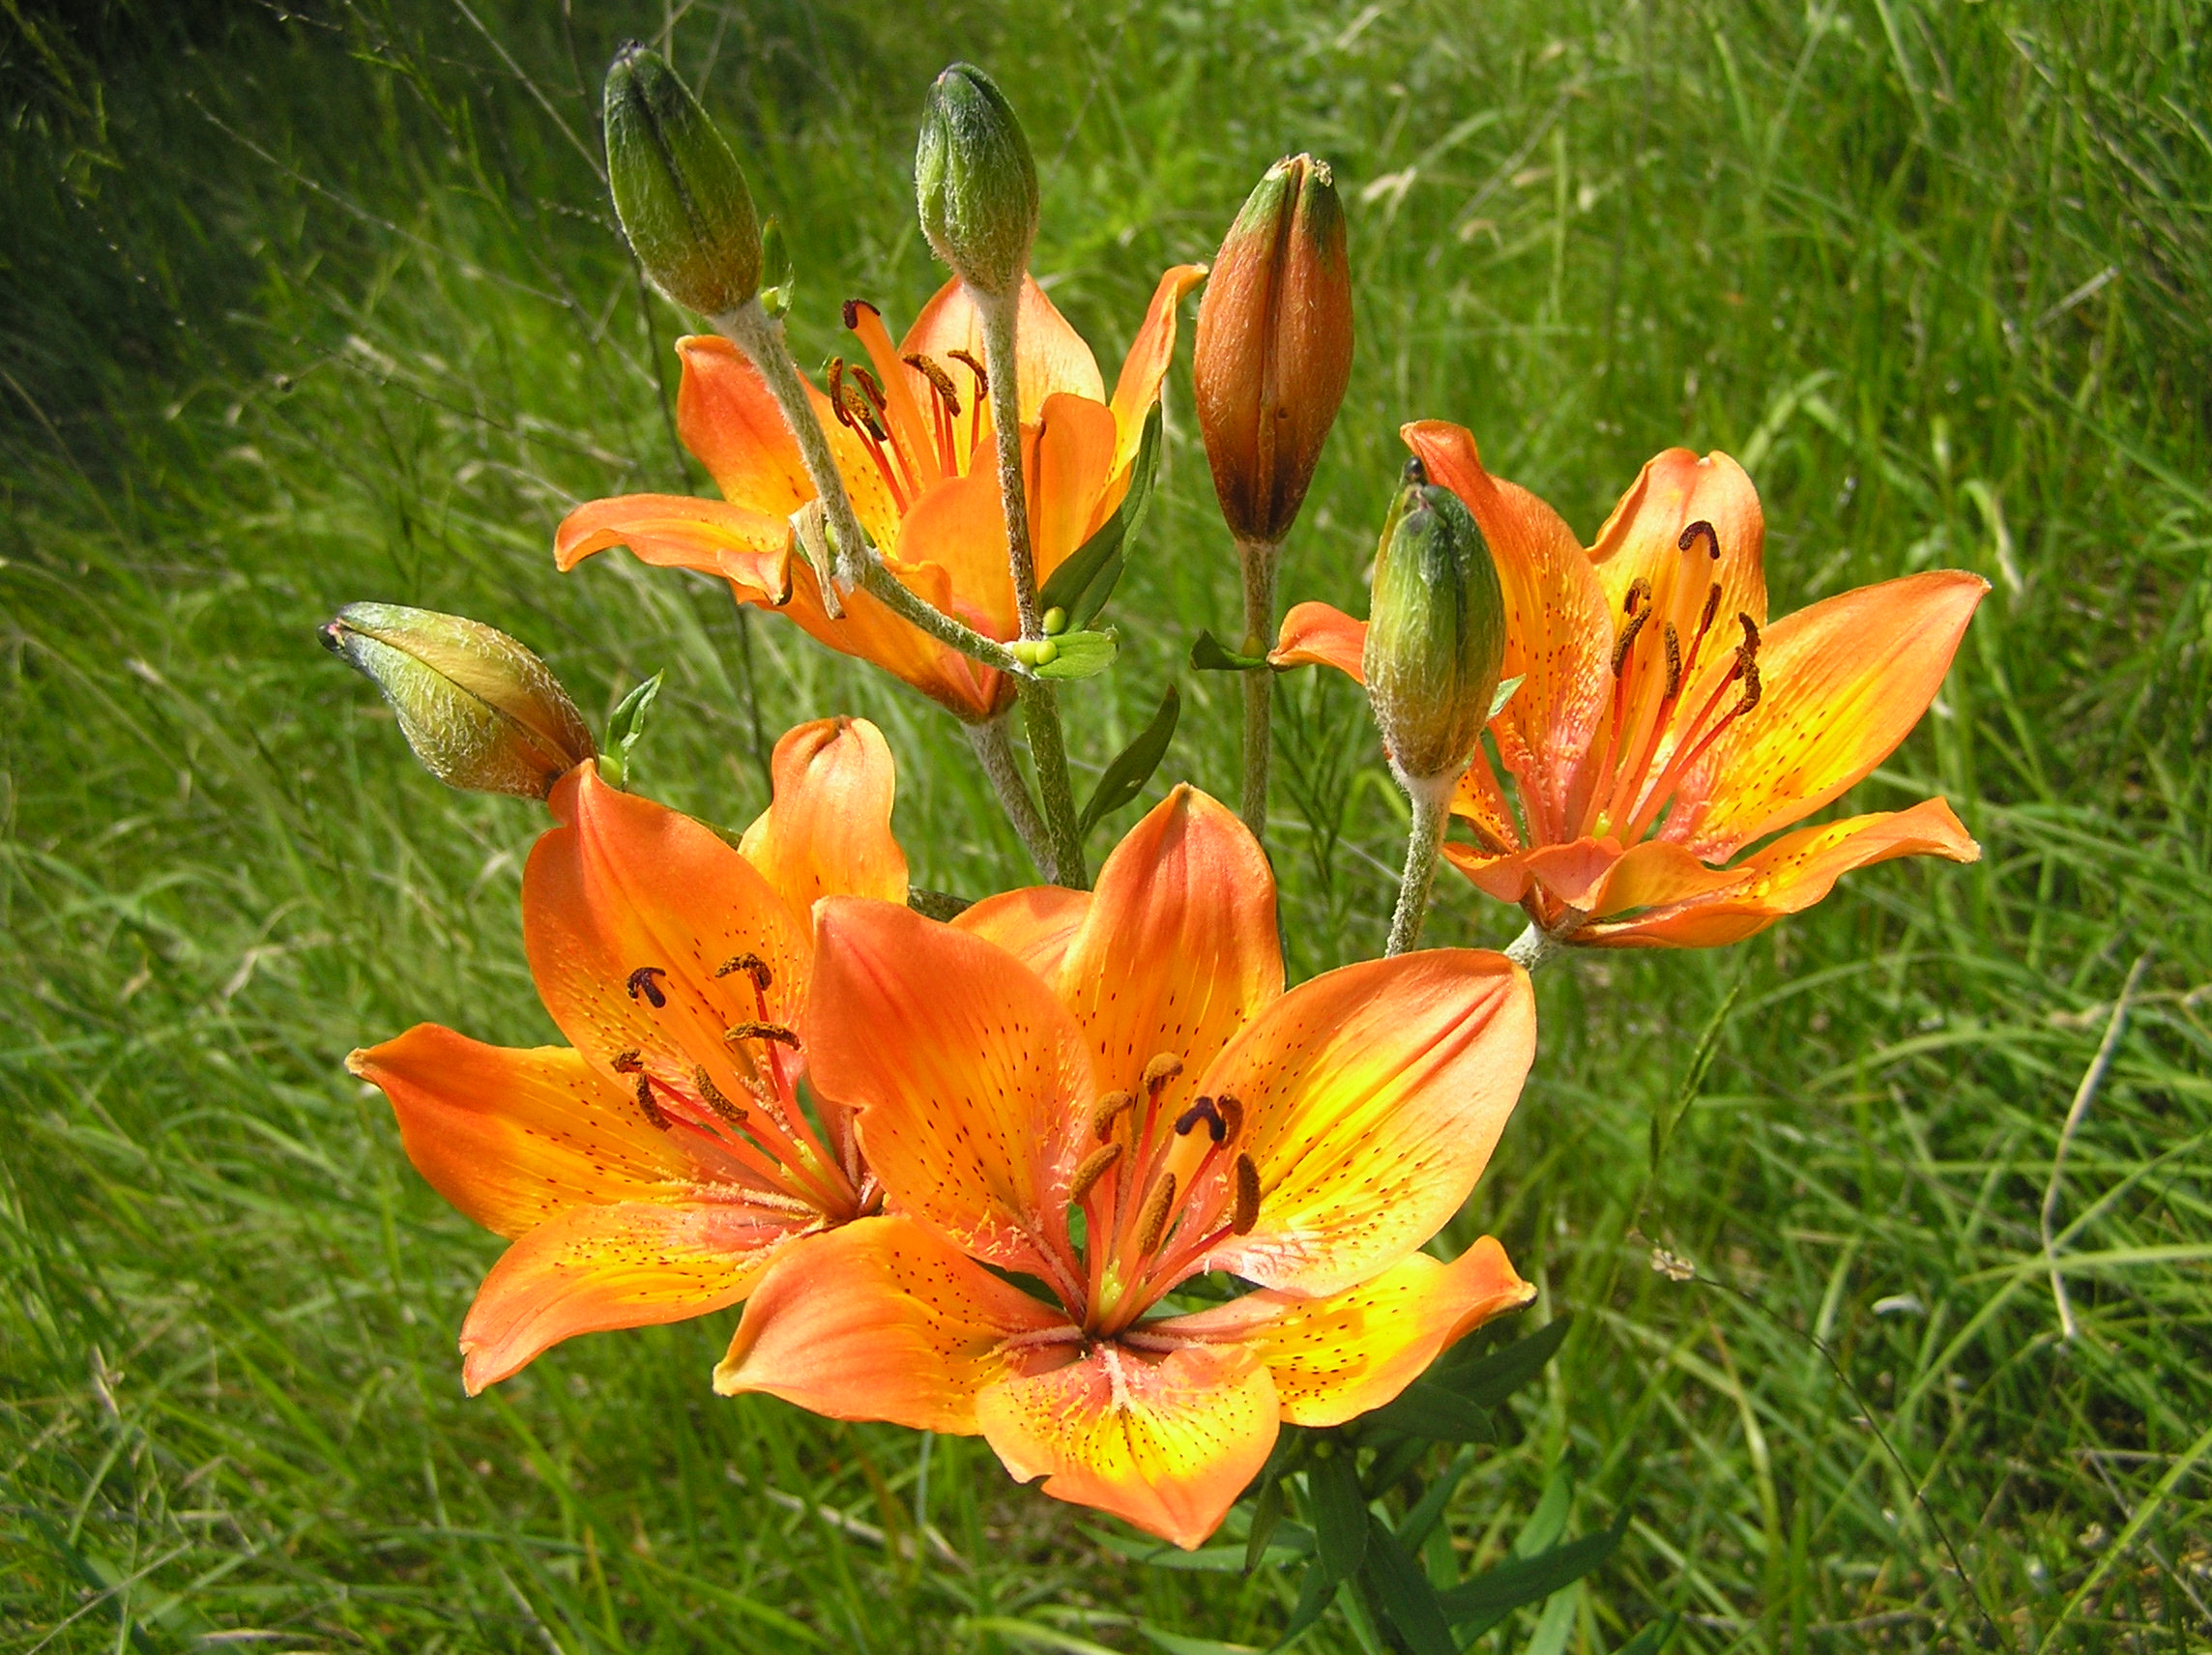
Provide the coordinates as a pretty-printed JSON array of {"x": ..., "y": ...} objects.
[
  {"x": 1436, "y": 633},
  {"x": 975, "y": 182},
  {"x": 481, "y": 712},
  {"x": 678, "y": 190}
]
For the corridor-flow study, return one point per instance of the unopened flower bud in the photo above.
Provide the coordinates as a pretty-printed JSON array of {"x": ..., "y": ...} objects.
[
  {"x": 678, "y": 190},
  {"x": 1436, "y": 633},
  {"x": 975, "y": 181},
  {"x": 481, "y": 712},
  {"x": 1274, "y": 347}
]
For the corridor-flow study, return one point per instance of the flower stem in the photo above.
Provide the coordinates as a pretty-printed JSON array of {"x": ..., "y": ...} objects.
[
  {"x": 1533, "y": 947},
  {"x": 1430, "y": 800},
  {"x": 761, "y": 337},
  {"x": 995, "y": 752},
  {"x": 1259, "y": 558},
  {"x": 1040, "y": 704}
]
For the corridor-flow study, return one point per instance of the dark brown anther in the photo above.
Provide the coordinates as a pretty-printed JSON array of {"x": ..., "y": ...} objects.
[
  {"x": 1751, "y": 690},
  {"x": 1639, "y": 596},
  {"x": 1153, "y": 1218},
  {"x": 1712, "y": 607},
  {"x": 871, "y": 387},
  {"x": 1627, "y": 640},
  {"x": 1203, "y": 1110},
  {"x": 644, "y": 985},
  {"x": 629, "y": 1063},
  {"x": 1232, "y": 1117},
  {"x": 853, "y": 309},
  {"x": 1674, "y": 661},
  {"x": 1161, "y": 1070},
  {"x": 982, "y": 379},
  {"x": 751, "y": 964},
  {"x": 1108, "y": 1114},
  {"x": 649, "y": 1106},
  {"x": 1089, "y": 1170},
  {"x": 940, "y": 382},
  {"x": 776, "y": 1032},
  {"x": 1750, "y": 636},
  {"x": 1247, "y": 1210},
  {"x": 837, "y": 392},
  {"x": 711, "y": 1095},
  {"x": 1700, "y": 530}
]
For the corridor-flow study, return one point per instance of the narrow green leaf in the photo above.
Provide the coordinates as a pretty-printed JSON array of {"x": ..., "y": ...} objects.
[
  {"x": 1652, "y": 1639},
  {"x": 1404, "y": 1591},
  {"x": 1266, "y": 1512},
  {"x": 1527, "y": 1579},
  {"x": 625, "y": 729},
  {"x": 1209, "y": 654},
  {"x": 1428, "y": 1510},
  {"x": 1180, "y": 1644},
  {"x": 1133, "y": 766},
  {"x": 1501, "y": 696},
  {"x": 1316, "y": 1592},
  {"x": 1549, "y": 1520},
  {"x": 1433, "y": 1412},
  {"x": 1487, "y": 1381},
  {"x": 1083, "y": 582},
  {"x": 1289, "y": 1542},
  {"x": 1340, "y": 1512},
  {"x": 1080, "y": 654}
]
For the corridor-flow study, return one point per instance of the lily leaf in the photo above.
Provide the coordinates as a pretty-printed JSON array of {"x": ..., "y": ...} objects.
[
  {"x": 1474, "y": 1606},
  {"x": 1209, "y": 654},
  {"x": 1404, "y": 1591},
  {"x": 1133, "y": 766},
  {"x": 1080, "y": 654},
  {"x": 1340, "y": 1513},
  {"x": 1266, "y": 1513},
  {"x": 1499, "y": 696},
  {"x": 1489, "y": 1380},
  {"x": 1652, "y": 1639},
  {"x": 625, "y": 729},
  {"x": 1082, "y": 585},
  {"x": 1436, "y": 1411}
]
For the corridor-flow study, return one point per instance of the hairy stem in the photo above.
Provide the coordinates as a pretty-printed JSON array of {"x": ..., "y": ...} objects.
[
  {"x": 1259, "y": 558},
  {"x": 1040, "y": 704},
  {"x": 995, "y": 752},
  {"x": 1430, "y": 800},
  {"x": 1534, "y": 947},
  {"x": 761, "y": 337}
]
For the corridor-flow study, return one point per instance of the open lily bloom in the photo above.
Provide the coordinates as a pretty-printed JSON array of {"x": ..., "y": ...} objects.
[
  {"x": 649, "y": 1172},
  {"x": 1654, "y": 695},
  {"x": 912, "y": 437},
  {"x": 1129, "y": 1056}
]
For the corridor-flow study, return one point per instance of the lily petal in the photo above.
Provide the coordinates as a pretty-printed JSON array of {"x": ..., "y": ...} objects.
[
  {"x": 1316, "y": 634},
  {"x": 1073, "y": 479},
  {"x": 970, "y": 1080},
  {"x": 961, "y": 526},
  {"x": 1559, "y": 635},
  {"x": 1845, "y": 681},
  {"x": 1373, "y": 1096},
  {"x": 1690, "y": 905},
  {"x": 1167, "y": 1444},
  {"x": 829, "y": 831},
  {"x": 628, "y": 912},
  {"x": 726, "y": 416},
  {"x": 871, "y": 631},
  {"x": 512, "y": 1138},
  {"x": 1642, "y": 540},
  {"x": 1178, "y": 948},
  {"x": 636, "y": 1263},
  {"x": 1035, "y": 925},
  {"x": 881, "y": 1319},
  {"x": 1334, "y": 1358},
  {"x": 676, "y": 531},
  {"x": 1052, "y": 355},
  {"x": 1150, "y": 352}
]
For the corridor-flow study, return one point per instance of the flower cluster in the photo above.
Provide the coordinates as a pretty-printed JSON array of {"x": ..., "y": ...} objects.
[{"x": 1073, "y": 1170}]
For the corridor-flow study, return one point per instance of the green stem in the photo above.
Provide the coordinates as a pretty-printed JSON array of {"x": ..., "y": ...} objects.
[
  {"x": 1259, "y": 559},
  {"x": 995, "y": 752},
  {"x": 761, "y": 337},
  {"x": 1533, "y": 947},
  {"x": 1040, "y": 704},
  {"x": 1430, "y": 800}
]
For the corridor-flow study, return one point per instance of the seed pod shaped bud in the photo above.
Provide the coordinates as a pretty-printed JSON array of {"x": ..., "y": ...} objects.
[
  {"x": 975, "y": 181},
  {"x": 678, "y": 190},
  {"x": 481, "y": 712},
  {"x": 1435, "y": 633},
  {"x": 1274, "y": 347}
]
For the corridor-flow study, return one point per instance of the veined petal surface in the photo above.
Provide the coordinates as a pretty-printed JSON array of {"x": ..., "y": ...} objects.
[
  {"x": 1035, "y": 925},
  {"x": 829, "y": 830}
]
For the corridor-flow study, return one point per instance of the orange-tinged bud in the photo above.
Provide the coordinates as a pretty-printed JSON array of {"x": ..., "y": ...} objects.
[
  {"x": 481, "y": 712},
  {"x": 1274, "y": 347}
]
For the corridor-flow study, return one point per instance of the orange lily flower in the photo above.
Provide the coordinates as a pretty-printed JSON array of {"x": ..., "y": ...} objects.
[
  {"x": 1128, "y": 1054},
  {"x": 1651, "y": 685},
  {"x": 651, "y": 1171},
  {"x": 913, "y": 440}
]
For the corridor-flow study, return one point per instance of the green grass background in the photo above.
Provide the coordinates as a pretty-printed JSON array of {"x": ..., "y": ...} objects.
[{"x": 310, "y": 303}]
